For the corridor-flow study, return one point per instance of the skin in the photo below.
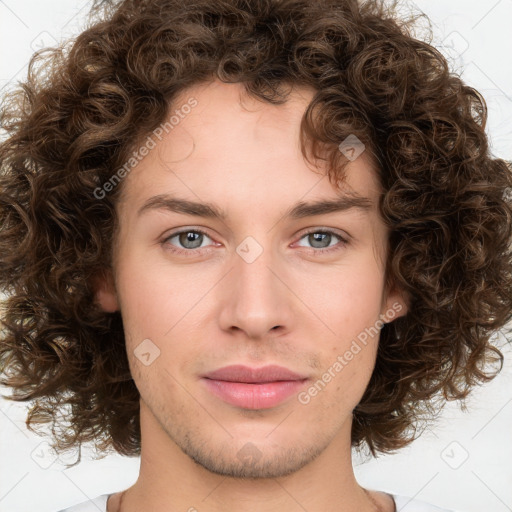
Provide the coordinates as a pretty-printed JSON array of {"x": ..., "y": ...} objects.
[{"x": 293, "y": 306}]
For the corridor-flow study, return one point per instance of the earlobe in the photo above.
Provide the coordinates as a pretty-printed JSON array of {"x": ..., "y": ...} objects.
[{"x": 104, "y": 291}]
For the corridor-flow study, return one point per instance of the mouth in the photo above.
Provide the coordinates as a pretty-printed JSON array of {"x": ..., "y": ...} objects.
[{"x": 254, "y": 388}]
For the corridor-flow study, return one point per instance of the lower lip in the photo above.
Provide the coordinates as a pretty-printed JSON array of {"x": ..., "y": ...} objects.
[{"x": 254, "y": 396}]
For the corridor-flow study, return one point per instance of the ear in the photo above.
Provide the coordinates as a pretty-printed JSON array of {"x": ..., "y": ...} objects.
[
  {"x": 395, "y": 304},
  {"x": 105, "y": 291}
]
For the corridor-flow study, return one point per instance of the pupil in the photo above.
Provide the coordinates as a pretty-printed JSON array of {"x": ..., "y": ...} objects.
[
  {"x": 192, "y": 237},
  {"x": 318, "y": 237}
]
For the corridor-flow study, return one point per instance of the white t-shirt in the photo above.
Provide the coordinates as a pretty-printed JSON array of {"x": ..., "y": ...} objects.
[{"x": 100, "y": 505}]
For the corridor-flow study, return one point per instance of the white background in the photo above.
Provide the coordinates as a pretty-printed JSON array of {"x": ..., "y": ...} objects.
[{"x": 463, "y": 461}]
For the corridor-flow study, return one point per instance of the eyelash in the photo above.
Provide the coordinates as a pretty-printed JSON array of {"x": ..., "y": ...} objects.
[{"x": 193, "y": 252}]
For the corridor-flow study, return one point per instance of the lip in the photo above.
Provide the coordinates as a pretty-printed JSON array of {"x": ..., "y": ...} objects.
[
  {"x": 254, "y": 388},
  {"x": 241, "y": 373}
]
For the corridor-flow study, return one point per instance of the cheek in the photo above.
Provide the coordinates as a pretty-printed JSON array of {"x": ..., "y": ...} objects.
[
  {"x": 341, "y": 385},
  {"x": 154, "y": 297},
  {"x": 347, "y": 369},
  {"x": 347, "y": 298},
  {"x": 350, "y": 304},
  {"x": 159, "y": 304}
]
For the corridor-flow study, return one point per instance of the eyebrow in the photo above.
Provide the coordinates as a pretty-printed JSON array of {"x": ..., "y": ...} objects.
[{"x": 297, "y": 211}]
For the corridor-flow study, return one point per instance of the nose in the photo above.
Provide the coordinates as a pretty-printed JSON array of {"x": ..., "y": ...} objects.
[{"x": 255, "y": 298}]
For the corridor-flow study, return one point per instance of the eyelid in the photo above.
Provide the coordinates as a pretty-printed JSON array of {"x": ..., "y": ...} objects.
[{"x": 342, "y": 234}]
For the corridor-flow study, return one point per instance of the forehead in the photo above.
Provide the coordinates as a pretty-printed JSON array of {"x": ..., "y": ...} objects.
[
  {"x": 232, "y": 141},
  {"x": 227, "y": 118}
]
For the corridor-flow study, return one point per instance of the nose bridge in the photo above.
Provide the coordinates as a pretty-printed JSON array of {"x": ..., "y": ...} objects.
[{"x": 256, "y": 300}]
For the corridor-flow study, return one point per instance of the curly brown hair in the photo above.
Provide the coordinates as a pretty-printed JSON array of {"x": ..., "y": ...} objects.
[{"x": 88, "y": 103}]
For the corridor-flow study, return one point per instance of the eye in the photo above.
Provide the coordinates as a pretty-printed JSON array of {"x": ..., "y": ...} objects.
[
  {"x": 321, "y": 239},
  {"x": 190, "y": 239}
]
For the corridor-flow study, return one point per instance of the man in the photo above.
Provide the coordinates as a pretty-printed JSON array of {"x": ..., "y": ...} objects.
[{"x": 214, "y": 300}]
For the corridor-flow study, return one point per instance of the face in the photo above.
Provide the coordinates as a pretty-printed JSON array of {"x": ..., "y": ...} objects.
[{"x": 258, "y": 287}]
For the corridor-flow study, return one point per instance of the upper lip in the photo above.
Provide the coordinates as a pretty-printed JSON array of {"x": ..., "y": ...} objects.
[{"x": 241, "y": 373}]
